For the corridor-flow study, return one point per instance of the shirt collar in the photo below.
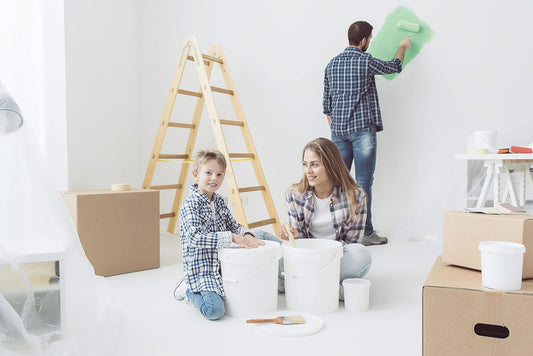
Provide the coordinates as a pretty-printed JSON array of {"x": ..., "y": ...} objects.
[{"x": 201, "y": 196}]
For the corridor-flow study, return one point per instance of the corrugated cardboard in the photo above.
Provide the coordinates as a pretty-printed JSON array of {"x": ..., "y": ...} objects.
[
  {"x": 454, "y": 305},
  {"x": 464, "y": 231},
  {"x": 119, "y": 230}
]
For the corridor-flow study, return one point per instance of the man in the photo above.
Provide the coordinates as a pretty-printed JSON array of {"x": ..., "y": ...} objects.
[{"x": 352, "y": 108}]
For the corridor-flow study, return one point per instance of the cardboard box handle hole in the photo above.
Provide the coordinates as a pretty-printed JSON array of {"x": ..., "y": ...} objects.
[{"x": 490, "y": 330}]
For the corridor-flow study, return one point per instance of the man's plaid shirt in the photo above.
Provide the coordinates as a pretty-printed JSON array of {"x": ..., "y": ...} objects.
[{"x": 350, "y": 94}]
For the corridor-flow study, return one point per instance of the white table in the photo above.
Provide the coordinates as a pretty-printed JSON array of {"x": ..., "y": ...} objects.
[{"x": 499, "y": 167}]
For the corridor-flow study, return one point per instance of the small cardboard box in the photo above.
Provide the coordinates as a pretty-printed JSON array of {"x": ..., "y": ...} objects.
[
  {"x": 119, "y": 230},
  {"x": 464, "y": 231},
  {"x": 460, "y": 317}
]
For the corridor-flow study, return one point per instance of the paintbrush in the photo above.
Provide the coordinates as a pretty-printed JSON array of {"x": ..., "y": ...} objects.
[
  {"x": 291, "y": 236},
  {"x": 284, "y": 320}
]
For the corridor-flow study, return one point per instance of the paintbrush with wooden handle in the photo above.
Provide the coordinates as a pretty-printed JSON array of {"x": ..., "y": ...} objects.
[
  {"x": 291, "y": 236},
  {"x": 284, "y": 320}
]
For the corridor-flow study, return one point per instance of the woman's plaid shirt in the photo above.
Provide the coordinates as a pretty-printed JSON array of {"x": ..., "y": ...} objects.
[{"x": 301, "y": 207}]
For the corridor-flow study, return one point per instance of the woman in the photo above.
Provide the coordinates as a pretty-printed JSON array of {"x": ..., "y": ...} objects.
[{"x": 327, "y": 203}]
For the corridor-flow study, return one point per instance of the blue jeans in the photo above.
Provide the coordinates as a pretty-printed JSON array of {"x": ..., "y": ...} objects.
[
  {"x": 210, "y": 304},
  {"x": 360, "y": 147}
]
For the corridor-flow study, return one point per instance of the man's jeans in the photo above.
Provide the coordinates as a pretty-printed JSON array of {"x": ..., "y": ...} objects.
[{"x": 360, "y": 147}]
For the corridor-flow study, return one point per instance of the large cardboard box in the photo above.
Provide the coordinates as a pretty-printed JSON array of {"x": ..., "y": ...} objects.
[
  {"x": 119, "y": 230},
  {"x": 463, "y": 232},
  {"x": 460, "y": 317}
]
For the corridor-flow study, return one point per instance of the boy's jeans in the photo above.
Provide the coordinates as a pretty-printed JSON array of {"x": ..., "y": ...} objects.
[{"x": 210, "y": 304}]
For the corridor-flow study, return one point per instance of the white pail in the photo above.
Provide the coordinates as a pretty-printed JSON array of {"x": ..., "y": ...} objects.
[
  {"x": 250, "y": 278},
  {"x": 485, "y": 139},
  {"x": 312, "y": 274},
  {"x": 356, "y": 294},
  {"x": 501, "y": 264}
]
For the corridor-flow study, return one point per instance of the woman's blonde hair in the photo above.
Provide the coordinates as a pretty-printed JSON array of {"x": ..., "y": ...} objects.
[
  {"x": 203, "y": 156},
  {"x": 336, "y": 170}
]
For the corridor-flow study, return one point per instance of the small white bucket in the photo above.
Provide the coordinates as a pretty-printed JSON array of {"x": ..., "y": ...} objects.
[
  {"x": 356, "y": 294},
  {"x": 250, "y": 278},
  {"x": 501, "y": 264},
  {"x": 312, "y": 274},
  {"x": 485, "y": 139}
]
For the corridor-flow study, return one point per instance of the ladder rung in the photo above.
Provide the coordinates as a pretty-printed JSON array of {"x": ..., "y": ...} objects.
[
  {"x": 207, "y": 57},
  {"x": 222, "y": 90},
  {"x": 179, "y": 124},
  {"x": 241, "y": 155},
  {"x": 168, "y": 215},
  {"x": 232, "y": 122},
  {"x": 261, "y": 223},
  {"x": 251, "y": 189},
  {"x": 191, "y": 93},
  {"x": 168, "y": 156},
  {"x": 166, "y": 187}
]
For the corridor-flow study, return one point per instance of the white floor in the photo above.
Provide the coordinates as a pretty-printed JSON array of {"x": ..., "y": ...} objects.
[{"x": 153, "y": 323}]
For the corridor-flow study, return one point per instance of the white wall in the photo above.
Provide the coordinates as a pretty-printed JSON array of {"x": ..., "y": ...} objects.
[
  {"x": 103, "y": 93},
  {"x": 473, "y": 75}
]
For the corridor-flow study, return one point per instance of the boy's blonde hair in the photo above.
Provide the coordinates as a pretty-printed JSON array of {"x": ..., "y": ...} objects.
[{"x": 203, "y": 156}]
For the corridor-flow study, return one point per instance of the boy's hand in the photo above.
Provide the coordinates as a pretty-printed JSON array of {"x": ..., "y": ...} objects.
[
  {"x": 247, "y": 241},
  {"x": 285, "y": 236}
]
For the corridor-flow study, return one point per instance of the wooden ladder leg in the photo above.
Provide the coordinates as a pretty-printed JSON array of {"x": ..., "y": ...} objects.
[{"x": 189, "y": 148}]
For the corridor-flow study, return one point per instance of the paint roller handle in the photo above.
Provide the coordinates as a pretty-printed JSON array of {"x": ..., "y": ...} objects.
[
  {"x": 291, "y": 236},
  {"x": 402, "y": 48}
]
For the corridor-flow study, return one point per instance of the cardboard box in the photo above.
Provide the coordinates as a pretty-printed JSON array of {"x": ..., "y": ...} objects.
[
  {"x": 119, "y": 230},
  {"x": 464, "y": 231},
  {"x": 460, "y": 317}
]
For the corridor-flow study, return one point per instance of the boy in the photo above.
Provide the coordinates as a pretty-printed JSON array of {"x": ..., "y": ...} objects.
[{"x": 206, "y": 225}]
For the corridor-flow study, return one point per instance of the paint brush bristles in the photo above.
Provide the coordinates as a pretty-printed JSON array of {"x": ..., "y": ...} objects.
[{"x": 284, "y": 320}]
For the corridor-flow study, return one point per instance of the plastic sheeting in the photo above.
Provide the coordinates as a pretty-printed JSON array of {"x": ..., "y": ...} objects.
[{"x": 34, "y": 217}]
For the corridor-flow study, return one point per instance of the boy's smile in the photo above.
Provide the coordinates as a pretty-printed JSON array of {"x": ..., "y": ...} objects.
[{"x": 209, "y": 177}]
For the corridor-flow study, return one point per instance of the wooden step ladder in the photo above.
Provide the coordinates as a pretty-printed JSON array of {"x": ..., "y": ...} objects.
[{"x": 204, "y": 65}]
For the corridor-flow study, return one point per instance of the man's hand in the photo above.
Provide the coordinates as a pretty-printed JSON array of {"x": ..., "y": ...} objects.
[
  {"x": 247, "y": 241},
  {"x": 404, "y": 46},
  {"x": 405, "y": 43}
]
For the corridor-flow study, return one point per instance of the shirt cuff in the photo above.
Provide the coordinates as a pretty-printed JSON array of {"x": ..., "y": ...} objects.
[{"x": 224, "y": 239}]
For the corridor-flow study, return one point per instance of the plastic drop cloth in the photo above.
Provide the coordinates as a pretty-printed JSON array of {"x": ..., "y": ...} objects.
[{"x": 33, "y": 214}]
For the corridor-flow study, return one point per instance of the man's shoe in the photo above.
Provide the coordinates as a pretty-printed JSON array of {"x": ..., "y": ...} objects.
[
  {"x": 180, "y": 289},
  {"x": 374, "y": 239}
]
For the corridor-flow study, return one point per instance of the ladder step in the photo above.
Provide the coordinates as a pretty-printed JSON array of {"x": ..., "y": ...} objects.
[
  {"x": 207, "y": 57},
  {"x": 241, "y": 155},
  {"x": 166, "y": 187},
  {"x": 232, "y": 122},
  {"x": 188, "y": 92},
  {"x": 168, "y": 215},
  {"x": 251, "y": 189},
  {"x": 261, "y": 223},
  {"x": 222, "y": 90},
  {"x": 179, "y": 124},
  {"x": 168, "y": 156}
]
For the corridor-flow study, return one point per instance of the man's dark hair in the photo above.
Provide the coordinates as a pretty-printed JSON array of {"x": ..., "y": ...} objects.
[{"x": 357, "y": 31}]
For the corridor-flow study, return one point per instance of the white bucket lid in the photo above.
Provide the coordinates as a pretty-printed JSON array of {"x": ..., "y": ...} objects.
[
  {"x": 355, "y": 282},
  {"x": 502, "y": 247},
  {"x": 250, "y": 255}
]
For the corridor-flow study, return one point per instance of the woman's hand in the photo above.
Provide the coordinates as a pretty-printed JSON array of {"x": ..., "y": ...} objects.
[
  {"x": 284, "y": 235},
  {"x": 247, "y": 241}
]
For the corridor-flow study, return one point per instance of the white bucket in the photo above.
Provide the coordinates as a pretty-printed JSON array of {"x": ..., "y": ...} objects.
[
  {"x": 356, "y": 294},
  {"x": 485, "y": 139},
  {"x": 312, "y": 274},
  {"x": 501, "y": 264},
  {"x": 250, "y": 278}
]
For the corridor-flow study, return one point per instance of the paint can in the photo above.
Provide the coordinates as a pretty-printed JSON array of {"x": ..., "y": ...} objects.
[
  {"x": 250, "y": 277},
  {"x": 501, "y": 264}
]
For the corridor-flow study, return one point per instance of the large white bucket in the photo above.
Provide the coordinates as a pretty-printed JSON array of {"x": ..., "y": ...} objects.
[
  {"x": 312, "y": 274},
  {"x": 501, "y": 264},
  {"x": 250, "y": 278}
]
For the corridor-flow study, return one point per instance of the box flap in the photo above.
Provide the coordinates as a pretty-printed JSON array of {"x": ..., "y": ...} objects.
[{"x": 448, "y": 276}]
